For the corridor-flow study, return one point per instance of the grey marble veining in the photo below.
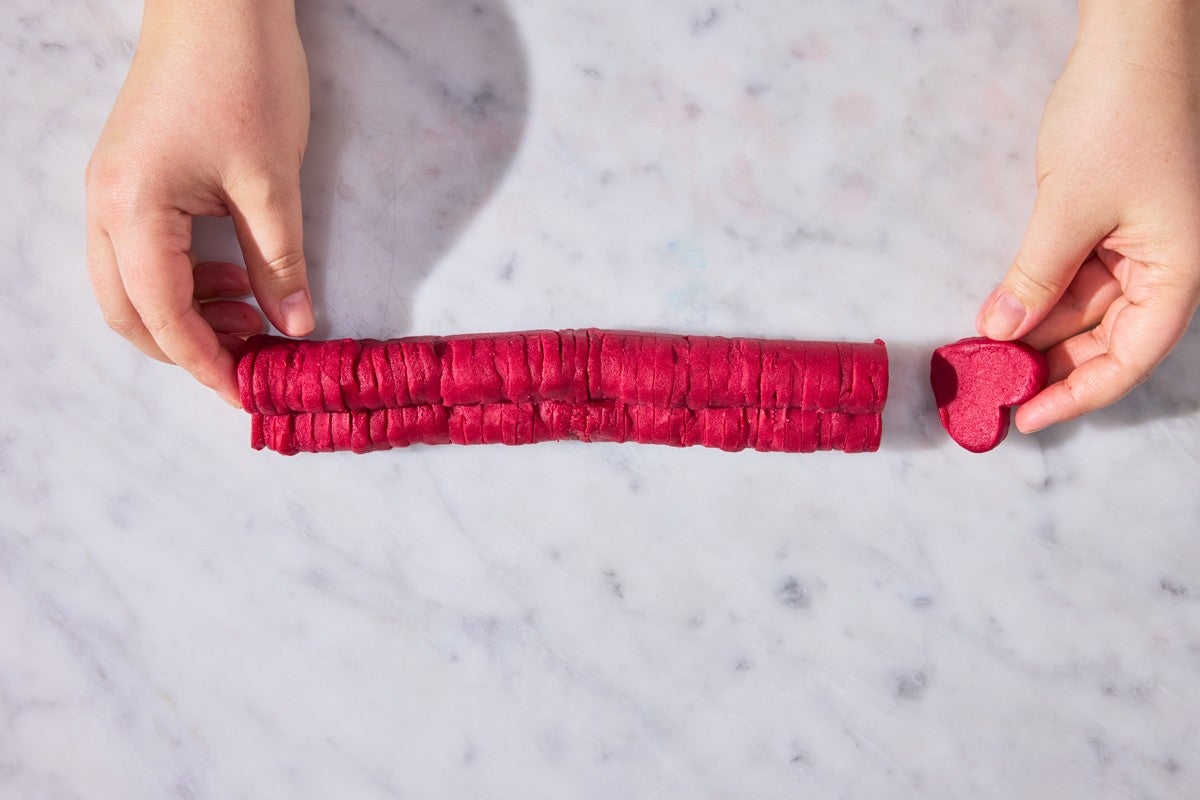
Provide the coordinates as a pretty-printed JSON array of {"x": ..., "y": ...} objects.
[{"x": 183, "y": 617}]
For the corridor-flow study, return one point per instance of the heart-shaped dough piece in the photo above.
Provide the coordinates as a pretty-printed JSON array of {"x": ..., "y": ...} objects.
[{"x": 975, "y": 383}]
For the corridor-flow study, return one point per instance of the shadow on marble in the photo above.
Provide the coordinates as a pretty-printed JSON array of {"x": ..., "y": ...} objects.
[
  {"x": 418, "y": 107},
  {"x": 910, "y": 420}
]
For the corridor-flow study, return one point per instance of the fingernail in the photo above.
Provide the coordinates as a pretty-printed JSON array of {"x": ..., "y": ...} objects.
[
  {"x": 297, "y": 314},
  {"x": 1004, "y": 316},
  {"x": 1033, "y": 427},
  {"x": 233, "y": 401}
]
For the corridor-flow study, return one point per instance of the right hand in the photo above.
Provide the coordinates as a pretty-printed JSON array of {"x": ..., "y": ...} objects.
[
  {"x": 212, "y": 121},
  {"x": 1107, "y": 277}
]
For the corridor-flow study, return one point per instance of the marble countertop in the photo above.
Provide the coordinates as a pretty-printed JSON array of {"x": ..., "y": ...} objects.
[{"x": 183, "y": 617}]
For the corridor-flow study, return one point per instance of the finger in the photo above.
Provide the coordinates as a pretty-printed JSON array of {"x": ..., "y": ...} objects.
[
  {"x": 219, "y": 279},
  {"x": 151, "y": 247},
  {"x": 1068, "y": 355},
  {"x": 1122, "y": 268},
  {"x": 224, "y": 316},
  {"x": 1060, "y": 235},
  {"x": 267, "y": 217},
  {"x": 231, "y": 342},
  {"x": 1128, "y": 344},
  {"x": 119, "y": 313},
  {"x": 1081, "y": 306}
]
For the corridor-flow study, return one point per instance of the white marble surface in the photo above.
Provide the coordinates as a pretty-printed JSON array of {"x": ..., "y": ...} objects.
[{"x": 182, "y": 617}]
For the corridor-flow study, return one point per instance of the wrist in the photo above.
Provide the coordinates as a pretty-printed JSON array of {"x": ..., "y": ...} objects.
[
  {"x": 1167, "y": 24},
  {"x": 165, "y": 12}
]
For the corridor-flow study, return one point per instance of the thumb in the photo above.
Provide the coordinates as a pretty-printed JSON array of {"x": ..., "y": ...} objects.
[
  {"x": 267, "y": 217},
  {"x": 1058, "y": 239}
]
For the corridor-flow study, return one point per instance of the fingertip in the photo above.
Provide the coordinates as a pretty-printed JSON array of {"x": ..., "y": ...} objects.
[
  {"x": 1002, "y": 317},
  {"x": 232, "y": 317},
  {"x": 297, "y": 313},
  {"x": 1027, "y": 422}
]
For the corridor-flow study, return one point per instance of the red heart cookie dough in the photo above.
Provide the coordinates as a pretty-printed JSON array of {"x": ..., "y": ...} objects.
[{"x": 976, "y": 381}]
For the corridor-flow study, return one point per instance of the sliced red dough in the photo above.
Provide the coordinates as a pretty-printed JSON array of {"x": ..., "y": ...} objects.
[
  {"x": 293, "y": 366},
  {"x": 377, "y": 429},
  {"x": 258, "y": 437},
  {"x": 512, "y": 363},
  {"x": 348, "y": 374},
  {"x": 666, "y": 360},
  {"x": 260, "y": 388},
  {"x": 635, "y": 368},
  {"x": 575, "y": 366},
  {"x": 508, "y": 423},
  {"x": 398, "y": 368},
  {"x": 245, "y": 374},
  {"x": 331, "y": 376},
  {"x": 720, "y": 373},
  {"x": 492, "y": 423},
  {"x": 699, "y": 383},
  {"x": 308, "y": 377},
  {"x": 975, "y": 383},
  {"x": 469, "y": 373},
  {"x": 745, "y": 373},
  {"x": 731, "y": 429},
  {"x": 553, "y": 383},
  {"x": 360, "y": 431},
  {"x": 302, "y": 432},
  {"x": 384, "y": 379},
  {"x": 613, "y": 366},
  {"x": 604, "y": 421},
  {"x": 322, "y": 425},
  {"x": 433, "y": 424},
  {"x": 595, "y": 360},
  {"x": 368, "y": 383},
  {"x": 864, "y": 433},
  {"x": 278, "y": 433},
  {"x": 340, "y": 429},
  {"x": 589, "y": 384},
  {"x": 423, "y": 364},
  {"x": 466, "y": 424},
  {"x": 723, "y": 428},
  {"x": 827, "y": 363},
  {"x": 575, "y": 345},
  {"x": 274, "y": 362},
  {"x": 864, "y": 377}
]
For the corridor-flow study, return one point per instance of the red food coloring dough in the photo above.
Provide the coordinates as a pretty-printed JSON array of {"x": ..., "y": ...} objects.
[
  {"x": 976, "y": 382},
  {"x": 588, "y": 385}
]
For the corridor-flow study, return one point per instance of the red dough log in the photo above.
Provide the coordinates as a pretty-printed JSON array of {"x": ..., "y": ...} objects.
[
  {"x": 589, "y": 385},
  {"x": 731, "y": 429},
  {"x": 279, "y": 375}
]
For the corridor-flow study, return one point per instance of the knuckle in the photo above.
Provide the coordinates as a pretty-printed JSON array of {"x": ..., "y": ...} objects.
[
  {"x": 1028, "y": 281},
  {"x": 266, "y": 187},
  {"x": 113, "y": 194},
  {"x": 286, "y": 268},
  {"x": 123, "y": 324},
  {"x": 158, "y": 322}
]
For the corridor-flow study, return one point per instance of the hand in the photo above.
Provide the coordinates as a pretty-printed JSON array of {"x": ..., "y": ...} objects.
[
  {"x": 212, "y": 120},
  {"x": 1107, "y": 276}
]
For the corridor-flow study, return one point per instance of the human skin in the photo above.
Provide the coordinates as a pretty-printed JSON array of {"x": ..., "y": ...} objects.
[
  {"x": 1107, "y": 276},
  {"x": 212, "y": 120}
]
